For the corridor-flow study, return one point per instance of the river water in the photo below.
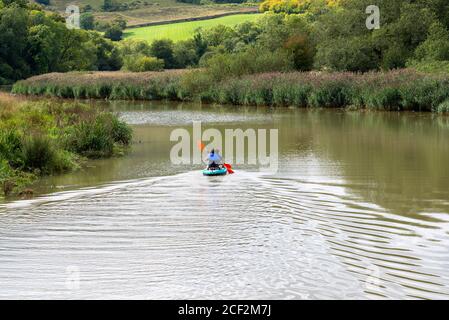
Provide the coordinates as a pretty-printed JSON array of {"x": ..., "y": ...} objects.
[{"x": 359, "y": 209}]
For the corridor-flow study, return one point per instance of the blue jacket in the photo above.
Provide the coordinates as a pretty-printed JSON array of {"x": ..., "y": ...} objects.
[{"x": 215, "y": 157}]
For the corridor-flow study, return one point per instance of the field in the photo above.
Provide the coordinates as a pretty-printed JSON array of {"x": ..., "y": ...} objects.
[
  {"x": 150, "y": 11},
  {"x": 184, "y": 30}
]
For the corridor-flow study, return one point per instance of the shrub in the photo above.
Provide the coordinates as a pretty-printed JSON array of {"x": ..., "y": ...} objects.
[
  {"x": 443, "y": 107},
  {"x": 222, "y": 66},
  {"x": 39, "y": 154},
  {"x": 121, "y": 132},
  {"x": 141, "y": 63},
  {"x": 11, "y": 147},
  {"x": 114, "y": 32},
  {"x": 96, "y": 137}
]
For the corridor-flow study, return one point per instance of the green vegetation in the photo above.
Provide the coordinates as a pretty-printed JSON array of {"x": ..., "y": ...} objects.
[
  {"x": 403, "y": 90},
  {"x": 40, "y": 138},
  {"x": 184, "y": 30},
  {"x": 34, "y": 42},
  {"x": 240, "y": 63},
  {"x": 412, "y": 33}
]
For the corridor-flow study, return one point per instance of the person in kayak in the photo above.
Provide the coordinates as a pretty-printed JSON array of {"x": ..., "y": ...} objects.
[{"x": 214, "y": 159}]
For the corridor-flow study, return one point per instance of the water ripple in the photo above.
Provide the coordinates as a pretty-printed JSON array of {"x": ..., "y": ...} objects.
[{"x": 248, "y": 236}]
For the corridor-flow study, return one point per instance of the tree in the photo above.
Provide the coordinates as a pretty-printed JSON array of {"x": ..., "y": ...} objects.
[
  {"x": 301, "y": 51},
  {"x": 19, "y": 3},
  {"x": 41, "y": 48},
  {"x": 436, "y": 46},
  {"x": 87, "y": 21},
  {"x": 163, "y": 49},
  {"x": 342, "y": 54},
  {"x": 107, "y": 54},
  {"x": 121, "y": 22},
  {"x": 13, "y": 42},
  {"x": 114, "y": 32},
  {"x": 184, "y": 54}
]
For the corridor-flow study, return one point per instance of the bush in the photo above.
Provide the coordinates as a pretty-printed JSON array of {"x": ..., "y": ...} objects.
[
  {"x": 96, "y": 137},
  {"x": 11, "y": 147},
  {"x": 443, "y": 107},
  {"x": 222, "y": 66},
  {"x": 39, "y": 154},
  {"x": 114, "y": 32},
  {"x": 141, "y": 63},
  {"x": 121, "y": 132},
  {"x": 163, "y": 49},
  {"x": 87, "y": 21}
]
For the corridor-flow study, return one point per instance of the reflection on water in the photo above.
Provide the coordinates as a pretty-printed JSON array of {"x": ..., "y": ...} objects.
[{"x": 359, "y": 209}]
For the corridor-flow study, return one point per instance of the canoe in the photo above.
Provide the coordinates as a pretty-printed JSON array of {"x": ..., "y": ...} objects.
[{"x": 216, "y": 172}]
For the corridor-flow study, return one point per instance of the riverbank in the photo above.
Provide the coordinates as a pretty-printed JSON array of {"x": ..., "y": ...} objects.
[
  {"x": 40, "y": 138},
  {"x": 399, "y": 90}
]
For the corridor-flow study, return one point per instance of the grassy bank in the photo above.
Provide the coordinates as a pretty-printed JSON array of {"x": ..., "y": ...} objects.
[
  {"x": 395, "y": 90},
  {"x": 184, "y": 30},
  {"x": 41, "y": 138}
]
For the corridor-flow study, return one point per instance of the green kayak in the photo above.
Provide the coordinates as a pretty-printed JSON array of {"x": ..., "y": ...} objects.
[{"x": 215, "y": 172}]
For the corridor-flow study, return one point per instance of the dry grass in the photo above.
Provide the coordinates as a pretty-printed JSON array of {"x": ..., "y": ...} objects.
[
  {"x": 9, "y": 103},
  {"x": 99, "y": 77}
]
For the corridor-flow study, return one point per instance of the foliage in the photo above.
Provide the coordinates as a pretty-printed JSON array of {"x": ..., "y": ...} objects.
[
  {"x": 244, "y": 82},
  {"x": 163, "y": 49},
  {"x": 33, "y": 41},
  {"x": 114, "y": 32},
  {"x": 141, "y": 63},
  {"x": 38, "y": 138},
  {"x": 87, "y": 21}
]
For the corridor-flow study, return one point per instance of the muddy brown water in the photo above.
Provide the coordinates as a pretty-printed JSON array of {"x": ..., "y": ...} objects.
[{"x": 359, "y": 209}]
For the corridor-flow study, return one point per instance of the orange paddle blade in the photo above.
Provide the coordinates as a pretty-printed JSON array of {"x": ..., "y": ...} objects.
[
  {"x": 229, "y": 167},
  {"x": 201, "y": 145}
]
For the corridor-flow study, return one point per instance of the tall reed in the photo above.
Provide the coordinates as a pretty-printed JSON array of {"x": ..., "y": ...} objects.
[{"x": 395, "y": 90}]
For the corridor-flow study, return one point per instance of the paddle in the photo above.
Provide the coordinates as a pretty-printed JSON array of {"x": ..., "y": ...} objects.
[
  {"x": 201, "y": 145},
  {"x": 228, "y": 166}
]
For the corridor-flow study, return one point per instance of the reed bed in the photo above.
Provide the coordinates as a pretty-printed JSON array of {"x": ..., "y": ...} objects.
[{"x": 395, "y": 90}]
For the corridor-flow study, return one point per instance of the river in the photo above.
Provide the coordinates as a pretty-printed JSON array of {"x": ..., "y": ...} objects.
[{"x": 359, "y": 209}]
